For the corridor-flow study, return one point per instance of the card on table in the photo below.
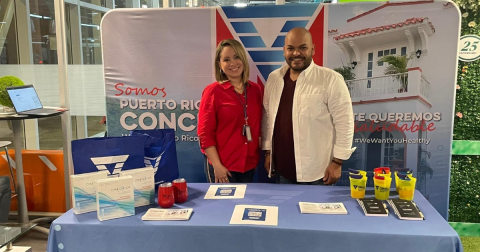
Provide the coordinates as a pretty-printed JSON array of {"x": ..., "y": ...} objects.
[
  {"x": 255, "y": 215},
  {"x": 226, "y": 191}
]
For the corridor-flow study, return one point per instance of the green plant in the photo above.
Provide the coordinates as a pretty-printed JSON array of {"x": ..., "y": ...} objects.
[
  {"x": 464, "y": 203},
  {"x": 396, "y": 65},
  {"x": 346, "y": 72},
  {"x": 8, "y": 81}
]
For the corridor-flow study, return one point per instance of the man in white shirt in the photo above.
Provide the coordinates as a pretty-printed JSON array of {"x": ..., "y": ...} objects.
[{"x": 308, "y": 124}]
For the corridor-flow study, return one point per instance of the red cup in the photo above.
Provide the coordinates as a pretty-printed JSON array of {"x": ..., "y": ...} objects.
[
  {"x": 180, "y": 190},
  {"x": 166, "y": 197}
]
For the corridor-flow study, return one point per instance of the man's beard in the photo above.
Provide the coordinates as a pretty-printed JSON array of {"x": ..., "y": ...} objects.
[{"x": 306, "y": 60}]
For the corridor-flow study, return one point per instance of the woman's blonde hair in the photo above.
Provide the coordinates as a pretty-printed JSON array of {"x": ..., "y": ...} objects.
[{"x": 238, "y": 48}]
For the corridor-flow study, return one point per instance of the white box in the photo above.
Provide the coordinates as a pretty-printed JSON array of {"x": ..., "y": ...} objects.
[
  {"x": 84, "y": 191},
  {"x": 143, "y": 185},
  {"x": 115, "y": 198}
]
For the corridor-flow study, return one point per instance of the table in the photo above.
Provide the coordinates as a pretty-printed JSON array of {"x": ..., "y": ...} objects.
[
  {"x": 209, "y": 229},
  {"x": 9, "y": 232},
  {"x": 17, "y": 139}
]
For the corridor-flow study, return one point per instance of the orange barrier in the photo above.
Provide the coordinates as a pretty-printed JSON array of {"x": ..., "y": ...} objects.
[{"x": 44, "y": 179}]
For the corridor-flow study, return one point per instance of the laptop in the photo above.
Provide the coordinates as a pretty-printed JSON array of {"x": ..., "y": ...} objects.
[{"x": 26, "y": 102}]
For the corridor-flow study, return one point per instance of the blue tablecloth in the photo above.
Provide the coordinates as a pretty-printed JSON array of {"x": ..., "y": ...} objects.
[{"x": 208, "y": 230}]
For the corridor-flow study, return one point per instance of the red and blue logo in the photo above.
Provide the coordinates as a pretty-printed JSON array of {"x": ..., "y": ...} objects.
[{"x": 262, "y": 32}]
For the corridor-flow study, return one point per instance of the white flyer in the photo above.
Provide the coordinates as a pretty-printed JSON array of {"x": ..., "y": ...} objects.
[
  {"x": 255, "y": 215},
  {"x": 226, "y": 191},
  {"x": 158, "y": 214},
  {"x": 322, "y": 208}
]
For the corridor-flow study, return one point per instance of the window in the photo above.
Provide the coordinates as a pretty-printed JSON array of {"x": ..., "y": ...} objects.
[
  {"x": 387, "y": 52},
  {"x": 8, "y": 37},
  {"x": 97, "y": 2},
  {"x": 370, "y": 68},
  {"x": 380, "y": 55},
  {"x": 90, "y": 23},
  {"x": 387, "y": 150},
  {"x": 42, "y": 22},
  {"x": 404, "y": 51}
]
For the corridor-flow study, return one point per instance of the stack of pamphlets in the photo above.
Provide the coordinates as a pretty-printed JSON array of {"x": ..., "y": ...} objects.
[
  {"x": 373, "y": 207},
  {"x": 406, "y": 209},
  {"x": 322, "y": 208},
  {"x": 158, "y": 214}
]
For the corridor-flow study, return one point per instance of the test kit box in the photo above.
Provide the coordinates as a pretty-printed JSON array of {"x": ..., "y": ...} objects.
[
  {"x": 115, "y": 198},
  {"x": 84, "y": 188},
  {"x": 143, "y": 185}
]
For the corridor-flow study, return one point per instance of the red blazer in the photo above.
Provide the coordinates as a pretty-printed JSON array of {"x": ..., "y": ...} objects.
[{"x": 220, "y": 123}]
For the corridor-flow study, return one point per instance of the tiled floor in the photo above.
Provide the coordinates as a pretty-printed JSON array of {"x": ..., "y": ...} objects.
[{"x": 34, "y": 239}]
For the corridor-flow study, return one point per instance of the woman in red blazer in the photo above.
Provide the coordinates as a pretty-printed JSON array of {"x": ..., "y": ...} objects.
[{"x": 229, "y": 118}]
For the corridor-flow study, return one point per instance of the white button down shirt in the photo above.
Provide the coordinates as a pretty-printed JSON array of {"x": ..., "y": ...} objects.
[{"x": 323, "y": 122}]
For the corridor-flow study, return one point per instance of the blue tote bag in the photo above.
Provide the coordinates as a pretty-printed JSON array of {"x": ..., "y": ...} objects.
[
  {"x": 160, "y": 153},
  {"x": 109, "y": 153}
]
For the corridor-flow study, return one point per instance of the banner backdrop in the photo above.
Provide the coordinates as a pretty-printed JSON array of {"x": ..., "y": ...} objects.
[{"x": 158, "y": 62}]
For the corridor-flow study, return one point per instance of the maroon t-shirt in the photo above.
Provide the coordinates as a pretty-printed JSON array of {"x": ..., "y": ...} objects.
[{"x": 283, "y": 147}]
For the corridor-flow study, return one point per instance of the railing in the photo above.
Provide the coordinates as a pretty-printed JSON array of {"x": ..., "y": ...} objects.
[
  {"x": 424, "y": 87},
  {"x": 383, "y": 85}
]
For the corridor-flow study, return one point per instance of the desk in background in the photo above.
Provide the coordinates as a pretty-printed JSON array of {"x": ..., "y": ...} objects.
[
  {"x": 208, "y": 230},
  {"x": 18, "y": 144}
]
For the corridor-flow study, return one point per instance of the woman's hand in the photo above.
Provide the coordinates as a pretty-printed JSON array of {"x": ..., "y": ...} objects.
[{"x": 221, "y": 173}]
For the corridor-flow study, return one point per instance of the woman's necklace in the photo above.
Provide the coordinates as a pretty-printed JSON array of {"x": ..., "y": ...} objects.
[{"x": 240, "y": 89}]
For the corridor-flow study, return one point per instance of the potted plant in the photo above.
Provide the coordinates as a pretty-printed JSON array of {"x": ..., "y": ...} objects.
[
  {"x": 8, "y": 81},
  {"x": 397, "y": 65},
  {"x": 346, "y": 72}
]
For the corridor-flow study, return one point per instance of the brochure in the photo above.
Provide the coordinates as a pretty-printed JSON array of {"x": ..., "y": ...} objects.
[
  {"x": 255, "y": 215},
  {"x": 322, "y": 208},
  {"x": 226, "y": 191},
  {"x": 158, "y": 214}
]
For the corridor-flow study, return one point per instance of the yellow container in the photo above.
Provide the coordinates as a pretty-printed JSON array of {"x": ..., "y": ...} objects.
[
  {"x": 406, "y": 188},
  {"x": 357, "y": 187},
  {"x": 382, "y": 187},
  {"x": 410, "y": 175},
  {"x": 363, "y": 173},
  {"x": 389, "y": 175}
]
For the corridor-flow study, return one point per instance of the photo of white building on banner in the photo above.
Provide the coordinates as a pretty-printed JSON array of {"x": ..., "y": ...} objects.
[{"x": 407, "y": 30}]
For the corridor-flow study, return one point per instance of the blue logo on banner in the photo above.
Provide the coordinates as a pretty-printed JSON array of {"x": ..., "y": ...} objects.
[{"x": 267, "y": 57}]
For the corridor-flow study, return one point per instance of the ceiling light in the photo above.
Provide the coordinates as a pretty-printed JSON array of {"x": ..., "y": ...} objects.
[{"x": 35, "y": 16}]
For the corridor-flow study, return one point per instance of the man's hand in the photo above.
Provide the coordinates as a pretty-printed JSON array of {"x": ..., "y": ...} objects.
[
  {"x": 267, "y": 163},
  {"x": 332, "y": 174}
]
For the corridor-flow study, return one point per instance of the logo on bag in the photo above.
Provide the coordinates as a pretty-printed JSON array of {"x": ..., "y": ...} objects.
[
  {"x": 118, "y": 162},
  {"x": 153, "y": 162}
]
